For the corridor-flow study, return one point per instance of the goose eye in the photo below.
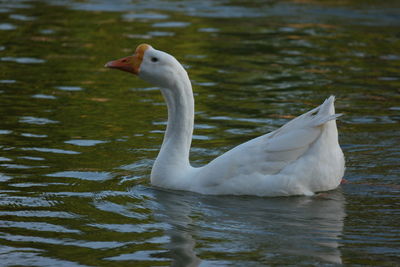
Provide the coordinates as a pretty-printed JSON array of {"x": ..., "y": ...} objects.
[{"x": 154, "y": 59}]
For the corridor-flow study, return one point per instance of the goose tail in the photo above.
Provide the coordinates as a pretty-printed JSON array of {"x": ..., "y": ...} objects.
[{"x": 326, "y": 112}]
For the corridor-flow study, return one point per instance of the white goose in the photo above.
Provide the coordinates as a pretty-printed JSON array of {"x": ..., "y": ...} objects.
[{"x": 300, "y": 158}]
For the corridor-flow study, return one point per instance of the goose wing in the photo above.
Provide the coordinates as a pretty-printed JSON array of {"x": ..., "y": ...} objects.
[{"x": 270, "y": 153}]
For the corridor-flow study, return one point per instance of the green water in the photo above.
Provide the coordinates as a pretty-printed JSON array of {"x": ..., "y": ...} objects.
[{"x": 77, "y": 141}]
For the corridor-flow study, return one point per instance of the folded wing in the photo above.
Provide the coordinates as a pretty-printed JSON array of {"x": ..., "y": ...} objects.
[{"x": 271, "y": 153}]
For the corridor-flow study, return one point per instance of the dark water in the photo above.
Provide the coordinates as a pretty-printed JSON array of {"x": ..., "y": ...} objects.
[{"x": 77, "y": 141}]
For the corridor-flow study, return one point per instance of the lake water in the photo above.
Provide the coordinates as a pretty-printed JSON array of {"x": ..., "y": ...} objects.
[{"x": 77, "y": 141}]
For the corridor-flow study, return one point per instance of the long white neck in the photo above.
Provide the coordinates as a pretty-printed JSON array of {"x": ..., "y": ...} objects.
[{"x": 173, "y": 159}]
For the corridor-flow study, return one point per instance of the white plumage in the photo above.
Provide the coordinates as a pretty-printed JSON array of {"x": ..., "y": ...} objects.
[{"x": 300, "y": 158}]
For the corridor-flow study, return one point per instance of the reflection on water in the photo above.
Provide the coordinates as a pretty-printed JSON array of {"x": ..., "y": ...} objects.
[
  {"x": 266, "y": 229},
  {"x": 77, "y": 142}
]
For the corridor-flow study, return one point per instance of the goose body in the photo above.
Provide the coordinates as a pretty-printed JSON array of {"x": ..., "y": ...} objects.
[{"x": 300, "y": 158}]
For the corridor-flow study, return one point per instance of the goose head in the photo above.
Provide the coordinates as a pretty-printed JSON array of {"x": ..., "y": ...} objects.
[{"x": 151, "y": 65}]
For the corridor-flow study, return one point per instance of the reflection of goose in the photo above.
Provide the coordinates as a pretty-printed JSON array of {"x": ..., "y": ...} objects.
[
  {"x": 300, "y": 158},
  {"x": 249, "y": 231},
  {"x": 175, "y": 211}
]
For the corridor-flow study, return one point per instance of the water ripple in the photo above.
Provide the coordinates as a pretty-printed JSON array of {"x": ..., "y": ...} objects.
[
  {"x": 93, "y": 176},
  {"x": 47, "y": 31},
  {"x": 50, "y": 150},
  {"x": 82, "y": 142},
  {"x": 4, "y": 178},
  {"x": 7, "y": 81},
  {"x": 5, "y": 131},
  {"x": 37, "y": 226},
  {"x": 160, "y": 33},
  {"x": 7, "y": 26},
  {"x": 143, "y": 255},
  {"x": 20, "y": 166},
  {"x": 5, "y": 159},
  {"x": 21, "y": 17},
  {"x": 43, "y": 96},
  {"x": 40, "y": 214},
  {"x": 144, "y": 16},
  {"x": 132, "y": 228},
  {"x": 23, "y": 201},
  {"x": 34, "y": 135},
  {"x": 64, "y": 242},
  {"x": 31, "y": 257},
  {"x": 35, "y": 120},
  {"x": 69, "y": 88},
  {"x": 120, "y": 209},
  {"x": 171, "y": 24},
  {"x": 23, "y": 60}
]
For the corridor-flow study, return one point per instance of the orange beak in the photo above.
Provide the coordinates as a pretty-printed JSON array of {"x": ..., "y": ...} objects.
[
  {"x": 125, "y": 64},
  {"x": 131, "y": 63}
]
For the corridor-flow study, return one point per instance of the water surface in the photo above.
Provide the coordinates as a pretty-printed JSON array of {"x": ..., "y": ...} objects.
[{"x": 77, "y": 141}]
